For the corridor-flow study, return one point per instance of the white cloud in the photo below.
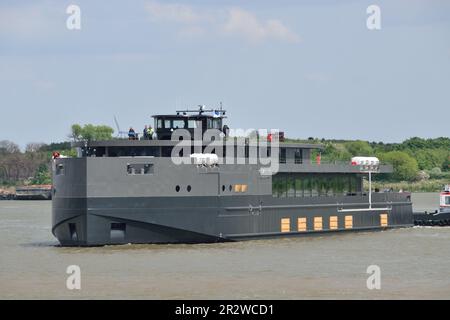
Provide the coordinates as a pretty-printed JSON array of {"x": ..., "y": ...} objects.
[
  {"x": 233, "y": 22},
  {"x": 245, "y": 24},
  {"x": 277, "y": 30}
]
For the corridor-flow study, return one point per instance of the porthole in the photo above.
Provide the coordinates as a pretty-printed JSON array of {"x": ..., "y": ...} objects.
[
  {"x": 177, "y": 188},
  {"x": 189, "y": 188}
]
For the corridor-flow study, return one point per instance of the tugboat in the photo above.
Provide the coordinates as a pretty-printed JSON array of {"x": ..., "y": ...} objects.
[
  {"x": 196, "y": 182},
  {"x": 438, "y": 218}
]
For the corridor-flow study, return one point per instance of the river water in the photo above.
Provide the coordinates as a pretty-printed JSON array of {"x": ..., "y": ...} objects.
[{"x": 414, "y": 263}]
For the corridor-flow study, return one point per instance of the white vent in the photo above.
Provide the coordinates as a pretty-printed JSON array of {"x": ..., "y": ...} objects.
[
  {"x": 365, "y": 161},
  {"x": 205, "y": 159}
]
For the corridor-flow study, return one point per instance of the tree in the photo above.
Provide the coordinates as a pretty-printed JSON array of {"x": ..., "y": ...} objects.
[
  {"x": 335, "y": 152},
  {"x": 405, "y": 166},
  {"x": 76, "y": 132},
  {"x": 56, "y": 146},
  {"x": 91, "y": 132},
  {"x": 415, "y": 143},
  {"x": 359, "y": 148},
  {"x": 436, "y": 171},
  {"x": 42, "y": 175},
  {"x": 419, "y": 143},
  {"x": 446, "y": 164},
  {"x": 33, "y": 147},
  {"x": 8, "y": 147},
  {"x": 430, "y": 158}
]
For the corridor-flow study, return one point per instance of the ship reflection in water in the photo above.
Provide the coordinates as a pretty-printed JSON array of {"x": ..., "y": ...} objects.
[{"x": 414, "y": 263}]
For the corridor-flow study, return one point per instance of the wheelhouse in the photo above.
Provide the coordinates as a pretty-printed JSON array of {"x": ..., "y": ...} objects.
[
  {"x": 445, "y": 199},
  {"x": 184, "y": 119}
]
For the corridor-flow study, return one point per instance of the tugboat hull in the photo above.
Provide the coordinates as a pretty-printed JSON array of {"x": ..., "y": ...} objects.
[
  {"x": 432, "y": 219},
  {"x": 438, "y": 218}
]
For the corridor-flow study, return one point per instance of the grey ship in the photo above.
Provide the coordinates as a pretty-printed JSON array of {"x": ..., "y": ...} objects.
[{"x": 131, "y": 191}]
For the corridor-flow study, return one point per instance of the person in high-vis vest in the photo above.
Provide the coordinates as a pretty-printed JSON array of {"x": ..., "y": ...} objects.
[{"x": 150, "y": 132}]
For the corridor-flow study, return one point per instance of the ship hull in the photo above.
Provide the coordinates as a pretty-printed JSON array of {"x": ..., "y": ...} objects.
[
  {"x": 96, "y": 201},
  {"x": 92, "y": 222}
]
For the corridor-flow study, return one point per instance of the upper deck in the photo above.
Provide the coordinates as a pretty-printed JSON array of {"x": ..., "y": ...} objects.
[
  {"x": 293, "y": 157},
  {"x": 206, "y": 133},
  {"x": 298, "y": 152}
]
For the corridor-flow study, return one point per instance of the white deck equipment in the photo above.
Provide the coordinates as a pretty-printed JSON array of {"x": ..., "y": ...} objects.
[
  {"x": 205, "y": 159},
  {"x": 367, "y": 165}
]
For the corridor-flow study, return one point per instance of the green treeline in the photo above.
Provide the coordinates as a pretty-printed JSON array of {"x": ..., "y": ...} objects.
[
  {"x": 414, "y": 159},
  {"x": 90, "y": 132}
]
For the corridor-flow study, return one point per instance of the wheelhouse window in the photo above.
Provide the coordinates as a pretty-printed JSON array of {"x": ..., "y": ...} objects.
[
  {"x": 213, "y": 123},
  {"x": 192, "y": 124},
  {"x": 447, "y": 200},
  {"x": 178, "y": 124},
  {"x": 217, "y": 124},
  {"x": 171, "y": 123}
]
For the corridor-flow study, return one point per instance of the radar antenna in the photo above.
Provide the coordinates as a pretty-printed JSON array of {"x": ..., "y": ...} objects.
[{"x": 202, "y": 109}]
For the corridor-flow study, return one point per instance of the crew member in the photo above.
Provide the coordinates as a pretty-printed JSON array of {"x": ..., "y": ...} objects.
[
  {"x": 145, "y": 133},
  {"x": 131, "y": 134},
  {"x": 150, "y": 132}
]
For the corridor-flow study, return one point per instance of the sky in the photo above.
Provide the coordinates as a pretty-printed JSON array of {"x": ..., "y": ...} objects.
[{"x": 308, "y": 68}]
